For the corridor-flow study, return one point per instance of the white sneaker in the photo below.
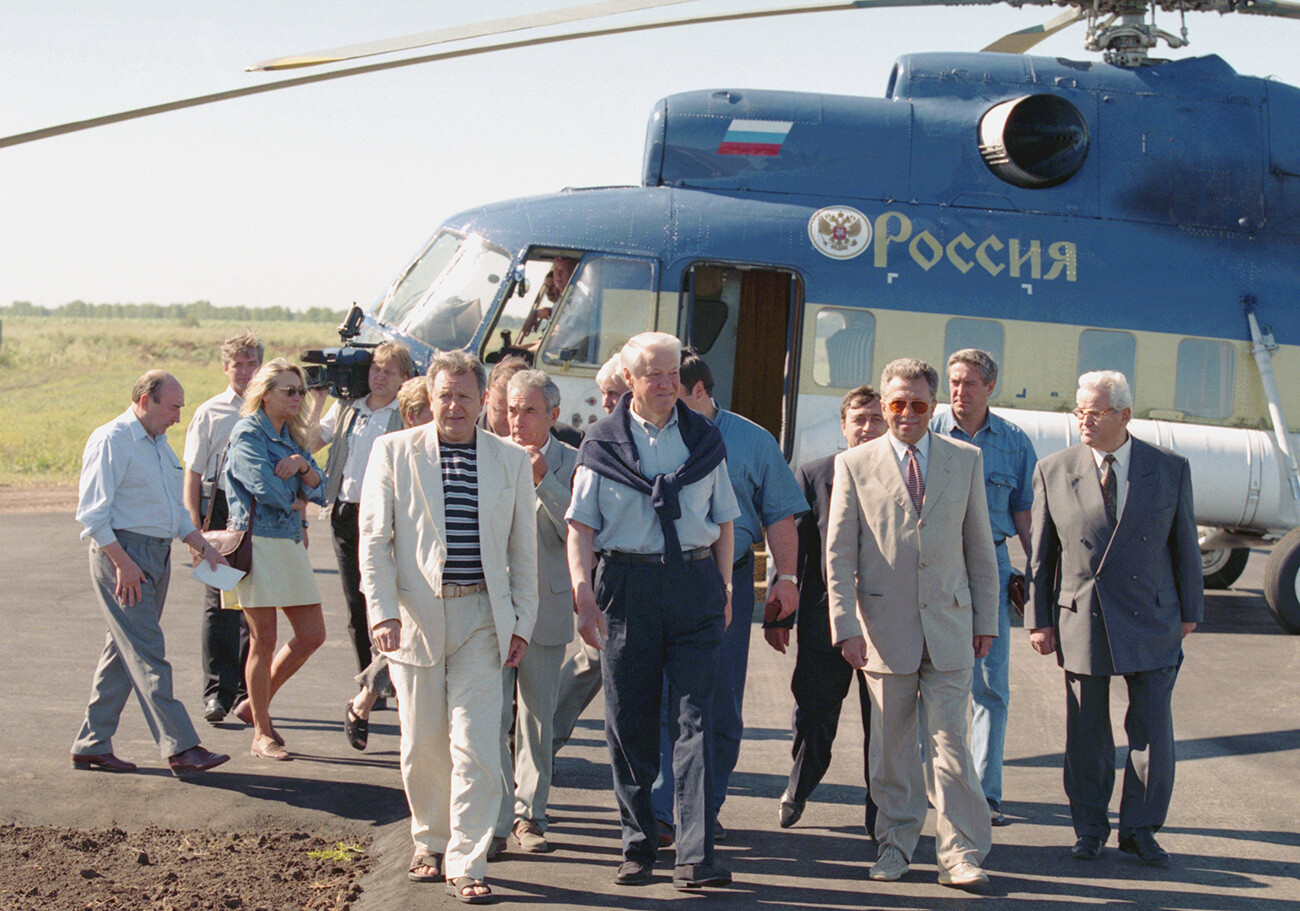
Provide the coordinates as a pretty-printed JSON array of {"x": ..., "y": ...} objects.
[
  {"x": 962, "y": 875},
  {"x": 890, "y": 866}
]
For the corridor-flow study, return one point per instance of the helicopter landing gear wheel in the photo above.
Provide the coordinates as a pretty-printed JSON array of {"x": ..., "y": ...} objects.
[
  {"x": 1282, "y": 581},
  {"x": 1223, "y": 566}
]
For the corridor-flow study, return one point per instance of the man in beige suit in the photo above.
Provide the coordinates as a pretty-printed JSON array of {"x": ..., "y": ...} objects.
[
  {"x": 449, "y": 570},
  {"x": 913, "y": 586},
  {"x": 532, "y": 690}
]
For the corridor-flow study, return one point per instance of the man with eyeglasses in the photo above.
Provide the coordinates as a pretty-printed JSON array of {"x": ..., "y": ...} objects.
[
  {"x": 1009, "y": 461},
  {"x": 1115, "y": 587},
  {"x": 913, "y": 585}
]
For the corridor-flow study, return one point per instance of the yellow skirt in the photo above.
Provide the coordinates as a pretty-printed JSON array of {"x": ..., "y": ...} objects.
[{"x": 281, "y": 577}]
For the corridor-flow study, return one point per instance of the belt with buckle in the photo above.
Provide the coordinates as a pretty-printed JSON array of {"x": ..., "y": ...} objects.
[
  {"x": 690, "y": 556},
  {"x": 451, "y": 590}
]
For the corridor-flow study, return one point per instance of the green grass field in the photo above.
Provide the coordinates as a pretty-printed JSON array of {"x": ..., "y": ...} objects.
[{"x": 61, "y": 378}]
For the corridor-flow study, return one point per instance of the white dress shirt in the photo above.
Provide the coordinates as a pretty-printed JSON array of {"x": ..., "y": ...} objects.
[
  {"x": 368, "y": 426},
  {"x": 1123, "y": 458},
  {"x": 922, "y": 454}
]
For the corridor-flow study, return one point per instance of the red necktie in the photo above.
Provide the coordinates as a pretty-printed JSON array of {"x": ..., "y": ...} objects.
[{"x": 915, "y": 485}]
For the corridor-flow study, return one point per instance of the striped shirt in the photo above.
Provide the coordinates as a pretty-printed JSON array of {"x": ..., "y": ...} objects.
[{"x": 459, "y": 463}]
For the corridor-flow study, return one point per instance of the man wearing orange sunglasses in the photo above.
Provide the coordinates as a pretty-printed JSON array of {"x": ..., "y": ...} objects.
[{"x": 913, "y": 585}]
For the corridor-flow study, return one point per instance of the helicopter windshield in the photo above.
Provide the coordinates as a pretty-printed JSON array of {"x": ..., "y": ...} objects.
[{"x": 442, "y": 297}]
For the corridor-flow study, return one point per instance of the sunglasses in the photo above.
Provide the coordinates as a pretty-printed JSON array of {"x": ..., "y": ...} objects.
[
  {"x": 898, "y": 406},
  {"x": 299, "y": 391}
]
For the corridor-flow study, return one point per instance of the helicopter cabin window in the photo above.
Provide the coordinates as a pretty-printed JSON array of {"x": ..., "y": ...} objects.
[
  {"x": 451, "y": 312},
  {"x": 843, "y": 347},
  {"x": 984, "y": 334},
  {"x": 1107, "y": 349},
  {"x": 1204, "y": 383},
  {"x": 417, "y": 278},
  {"x": 609, "y": 300},
  {"x": 539, "y": 287}
]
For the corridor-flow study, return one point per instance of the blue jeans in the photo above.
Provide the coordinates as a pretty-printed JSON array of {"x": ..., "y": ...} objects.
[
  {"x": 991, "y": 693},
  {"x": 728, "y": 702}
]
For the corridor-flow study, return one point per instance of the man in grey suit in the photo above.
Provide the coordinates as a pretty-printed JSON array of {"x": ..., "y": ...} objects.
[
  {"x": 913, "y": 585},
  {"x": 532, "y": 690},
  {"x": 1116, "y": 586}
]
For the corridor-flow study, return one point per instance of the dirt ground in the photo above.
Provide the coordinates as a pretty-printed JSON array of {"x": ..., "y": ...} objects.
[
  {"x": 52, "y": 869},
  {"x": 61, "y": 498}
]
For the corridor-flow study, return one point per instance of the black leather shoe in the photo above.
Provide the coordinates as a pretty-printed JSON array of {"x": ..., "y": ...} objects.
[
  {"x": 1088, "y": 847},
  {"x": 105, "y": 762},
  {"x": 697, "y": 876},
  {"x": 790, "y": 812},
  {"x": 213, "y": 711},
  {"x": 1142, "y": 842},
  {"x": 996, "y": 816},
  {"x": 195, "y": 759},
  {"x": 634, "y": 873}
]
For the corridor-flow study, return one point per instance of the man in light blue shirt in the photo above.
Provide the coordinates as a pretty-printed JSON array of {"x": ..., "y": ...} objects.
[
  {"x": 652, "y": 500},
  {"x": 769, "y": 498},
  {"x": 1009, "y": 461},
  {"x": 130, "y": 506}
]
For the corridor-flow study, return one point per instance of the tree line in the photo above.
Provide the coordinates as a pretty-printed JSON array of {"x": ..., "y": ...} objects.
[{"x": 191, "y": 313}]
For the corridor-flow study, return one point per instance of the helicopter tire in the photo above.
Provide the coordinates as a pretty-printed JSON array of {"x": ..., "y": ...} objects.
[
  {"x": 1281, "y": 581},
  {"x": 1223, "y": 566}
]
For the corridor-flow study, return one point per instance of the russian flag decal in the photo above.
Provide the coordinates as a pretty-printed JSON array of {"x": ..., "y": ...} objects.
[{"x": 754, "y": 137}]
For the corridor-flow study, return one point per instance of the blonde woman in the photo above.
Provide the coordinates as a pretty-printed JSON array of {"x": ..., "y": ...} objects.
[{"x": 268, "y": 462}]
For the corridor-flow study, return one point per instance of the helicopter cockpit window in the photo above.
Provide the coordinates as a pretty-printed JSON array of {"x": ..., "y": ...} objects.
[
  {"x": 527, "y": 313},
  {"x": 609, "y": 300},
  {"x": 843, "y": 347},
  {"x": 448, "y": 315},
  {"x": 984, "y": 334},
  {"x": 418, "y": 277},
  {"x": 1204, "y": 383}
]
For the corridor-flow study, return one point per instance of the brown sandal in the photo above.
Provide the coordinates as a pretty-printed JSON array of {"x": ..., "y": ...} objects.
[
  {"x": 460, "y": 889},
  {"x": 424, "y": 859}
]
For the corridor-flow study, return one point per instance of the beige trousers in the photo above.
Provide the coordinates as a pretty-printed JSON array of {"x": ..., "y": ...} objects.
[
  {"x": 898, "y": 779},
  {"x": 451, "y": 724}
]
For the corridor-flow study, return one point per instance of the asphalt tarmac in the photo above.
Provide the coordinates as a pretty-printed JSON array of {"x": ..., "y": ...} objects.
[{"x": 1233, "y": 830}]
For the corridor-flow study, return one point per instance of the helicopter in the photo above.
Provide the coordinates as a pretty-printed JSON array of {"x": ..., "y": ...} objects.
[{"x": 1062, "y": 215}]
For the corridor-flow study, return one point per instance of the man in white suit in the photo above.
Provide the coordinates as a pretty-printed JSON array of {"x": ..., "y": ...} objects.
[
  {"x": 532, "y": 690},
  {"x": 449, "y": 570},
  {"x": 913, "y": 585}
]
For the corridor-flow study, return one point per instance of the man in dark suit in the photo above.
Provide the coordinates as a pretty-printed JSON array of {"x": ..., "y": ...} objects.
[
  {"x": 1116, "y": 586},
  {"x": 822, "y": 678}
]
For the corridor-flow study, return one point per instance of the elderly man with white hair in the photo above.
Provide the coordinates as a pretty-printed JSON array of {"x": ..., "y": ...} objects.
[
  {"x": 653, "y": 501},
  {"x": 1115, "y": 587}
]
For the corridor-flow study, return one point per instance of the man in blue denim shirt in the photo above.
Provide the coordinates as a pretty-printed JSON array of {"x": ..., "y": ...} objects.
[{"x": 1009, "y": 462}]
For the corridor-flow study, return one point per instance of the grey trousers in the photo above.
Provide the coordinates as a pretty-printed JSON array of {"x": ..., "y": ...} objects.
[
  {"x": 1090, "y": 752},
  {"x": 579, "y": 683},
  {"x": 528, "y": 705},
  {"x": 133, "y": 658}
]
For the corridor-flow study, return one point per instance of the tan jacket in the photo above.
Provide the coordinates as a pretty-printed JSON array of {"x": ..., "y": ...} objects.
[
  {"x": 909, "y": 582},
  {"x": 403, "y": 539}
]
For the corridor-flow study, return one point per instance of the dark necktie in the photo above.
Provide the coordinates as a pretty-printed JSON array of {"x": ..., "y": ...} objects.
[
  {"x": 1110, "y": 487},
  {"x": 915, "y": 485}
]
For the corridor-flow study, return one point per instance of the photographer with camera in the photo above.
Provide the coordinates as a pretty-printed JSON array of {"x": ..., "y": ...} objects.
[{"x": 352, "y": 426}]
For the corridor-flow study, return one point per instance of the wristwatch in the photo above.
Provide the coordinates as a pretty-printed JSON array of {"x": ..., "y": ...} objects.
[{"x": 787, "y": 577}]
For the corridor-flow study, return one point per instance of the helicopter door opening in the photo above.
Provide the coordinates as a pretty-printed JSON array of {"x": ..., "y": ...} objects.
[{"x": 739, "y": 319}]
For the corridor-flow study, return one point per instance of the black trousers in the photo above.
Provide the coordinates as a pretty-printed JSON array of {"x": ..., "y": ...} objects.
[
  {"x": 223, "y": 635},
  {"x": 345, "y": 524},
  {"x": 820, "y": 684},
  {"x": 663, "y": 621}
]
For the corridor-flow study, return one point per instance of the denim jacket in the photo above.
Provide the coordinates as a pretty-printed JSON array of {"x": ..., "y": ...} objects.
[{"x": 254, "y": 450}]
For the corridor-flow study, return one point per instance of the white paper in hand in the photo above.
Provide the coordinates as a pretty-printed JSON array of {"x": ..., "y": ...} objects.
[{"x": 223, "y": 577}]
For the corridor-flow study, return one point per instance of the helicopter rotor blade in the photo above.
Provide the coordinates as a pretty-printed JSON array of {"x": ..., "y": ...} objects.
[
  {"x": 1282, "y": 8},
  {"x": 1021, "y": 41},
  {"x": 498, "y": 45},
  {"x": 461, "y": 33}
]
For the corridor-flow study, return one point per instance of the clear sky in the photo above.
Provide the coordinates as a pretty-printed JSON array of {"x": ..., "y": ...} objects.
[{"x": 318, "y": 196}]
